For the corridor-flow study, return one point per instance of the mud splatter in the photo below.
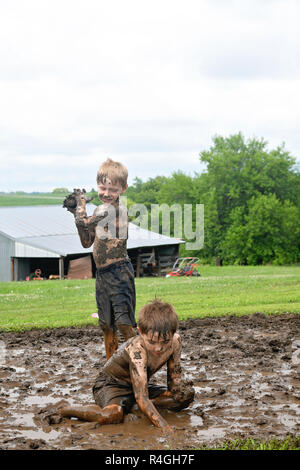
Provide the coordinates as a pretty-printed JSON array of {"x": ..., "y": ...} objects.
[{"x": 246, "y": 372}]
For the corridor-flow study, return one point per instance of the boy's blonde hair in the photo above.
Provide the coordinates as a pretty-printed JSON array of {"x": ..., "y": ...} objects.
[
  {"x": 115, "y": 171},
  {"x": 158, "y": 316}
]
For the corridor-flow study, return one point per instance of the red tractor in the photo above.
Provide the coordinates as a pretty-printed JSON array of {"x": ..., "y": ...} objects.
[{"x": 184, "y": 267}]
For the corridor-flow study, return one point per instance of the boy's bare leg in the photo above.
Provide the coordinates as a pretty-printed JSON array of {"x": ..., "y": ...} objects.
[
  {"x": 111, "y": 414},
  {"x": 175, "y": 400},
  {"x": 110, "y": 341},
  {"x": 126, "y": 330},
  {"x": 164, "y": 400}
]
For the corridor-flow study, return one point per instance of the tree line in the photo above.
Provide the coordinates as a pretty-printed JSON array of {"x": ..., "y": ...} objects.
[{"x": 251, "y": 198}]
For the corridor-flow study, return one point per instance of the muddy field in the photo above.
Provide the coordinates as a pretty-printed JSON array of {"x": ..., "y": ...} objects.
[{"x": 246, "y": 373}]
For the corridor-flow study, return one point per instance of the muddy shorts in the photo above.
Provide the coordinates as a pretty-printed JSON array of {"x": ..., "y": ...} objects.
[
  {"x": 107, "y": 391},
  {"x": 115, "y": 294}
]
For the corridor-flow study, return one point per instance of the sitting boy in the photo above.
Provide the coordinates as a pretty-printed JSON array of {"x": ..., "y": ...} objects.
[
  {"x": 107, "y": 228},
  {"x": 123, "y": 381}
]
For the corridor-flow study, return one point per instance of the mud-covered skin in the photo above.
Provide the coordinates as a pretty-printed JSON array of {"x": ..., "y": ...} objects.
[
  {"x": 144, "y": 363},
  {"x": 111, "y": 337},
  {"x": 130, "y": 369},
  {"x": 110, "y": 240},
  {"x": 134, "y": 364},
  {"x": 111, "y": 414},
  {"x": 75, "y": 199},
  {"x": 133, "y": 355},
  {"x": 107, "y": 229},
  {"x": 125, "y": 377},
  {"x": 110, "y": 341},
  {"x": 109, "y": 237}
]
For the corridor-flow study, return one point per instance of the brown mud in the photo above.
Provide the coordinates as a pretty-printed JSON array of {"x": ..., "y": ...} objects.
[{"x": 246, "y": 373}]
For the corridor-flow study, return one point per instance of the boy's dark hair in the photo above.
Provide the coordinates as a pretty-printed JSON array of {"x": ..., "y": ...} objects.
[{"x": 158, "y": 316}]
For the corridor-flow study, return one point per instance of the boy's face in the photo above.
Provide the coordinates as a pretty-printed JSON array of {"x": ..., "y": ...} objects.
[
  {"x": 155, "y": 344},
  {"x": 109, "y": 192}
]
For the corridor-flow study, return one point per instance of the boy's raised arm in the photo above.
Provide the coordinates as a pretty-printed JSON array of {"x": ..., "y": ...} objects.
[
  {"x": 76, "y": 203},
  {"x": 138, "y": 373}
]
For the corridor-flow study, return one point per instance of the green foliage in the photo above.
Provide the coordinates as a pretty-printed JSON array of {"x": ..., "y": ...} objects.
[
  {"x": 176, "y": 190},
  {"x": 146, "y": 193},
  {"x": 267, "y": 231},
  {"x": 251, "y": 200}
]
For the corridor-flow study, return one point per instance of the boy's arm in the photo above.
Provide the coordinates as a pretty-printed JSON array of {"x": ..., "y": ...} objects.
[
  {"x": 76, "y": 203},
  {"x": 138, "y": 374},
  {"x": 173, "y": 365}
]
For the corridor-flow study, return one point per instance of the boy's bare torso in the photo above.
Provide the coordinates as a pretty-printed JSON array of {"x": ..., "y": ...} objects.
[
  {"x": 134, "y": 365},
  {"x": 107, "y": 228},
  {"x": 132, "y": 361}
]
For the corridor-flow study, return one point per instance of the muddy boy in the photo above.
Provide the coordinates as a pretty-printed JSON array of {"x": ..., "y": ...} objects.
[
  {"x": 124, "y": 379},
  {"x": 107, "y": 228}
]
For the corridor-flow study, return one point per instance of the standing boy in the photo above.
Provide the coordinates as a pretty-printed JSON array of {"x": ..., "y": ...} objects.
[
  {"x": 107, "y": 228},
  {"x": 124, "y": 379}
]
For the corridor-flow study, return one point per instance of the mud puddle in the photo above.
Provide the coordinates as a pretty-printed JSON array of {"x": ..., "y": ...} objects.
[{"x": 246, "y": 373}]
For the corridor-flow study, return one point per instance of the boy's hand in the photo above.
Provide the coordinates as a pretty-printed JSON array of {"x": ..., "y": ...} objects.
[
  {"x": 75, "y": 199},
  {"x": 183, "y": 392}
]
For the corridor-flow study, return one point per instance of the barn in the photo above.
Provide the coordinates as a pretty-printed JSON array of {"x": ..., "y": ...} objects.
[{"x": 42, "y": 241}]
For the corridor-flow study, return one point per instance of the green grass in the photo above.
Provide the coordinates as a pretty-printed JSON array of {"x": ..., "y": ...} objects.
[
  {"x": 229, "y": 290},
  {"x": 290, "y": 443},
  {"x": 30, "y": 199}
]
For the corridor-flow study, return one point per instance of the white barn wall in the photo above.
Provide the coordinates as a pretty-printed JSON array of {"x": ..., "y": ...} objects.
[{"x": 6, "y": 252}]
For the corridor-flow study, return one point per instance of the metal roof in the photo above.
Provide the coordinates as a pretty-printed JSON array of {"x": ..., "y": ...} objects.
[
  {"x": 52, "y": 228},
  {"x": 35, "y": 221}
]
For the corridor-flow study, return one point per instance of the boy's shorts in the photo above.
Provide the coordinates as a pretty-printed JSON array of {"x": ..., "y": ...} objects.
[
  {"x": 107, "y": 391},
  {"x": 115, "y": 294}
]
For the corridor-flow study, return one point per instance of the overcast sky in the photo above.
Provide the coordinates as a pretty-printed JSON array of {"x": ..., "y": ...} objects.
[{"x": 148, "y": 83}]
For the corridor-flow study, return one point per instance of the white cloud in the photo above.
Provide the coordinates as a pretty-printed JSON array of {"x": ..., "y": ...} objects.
[{"x": 145, "y": 83}]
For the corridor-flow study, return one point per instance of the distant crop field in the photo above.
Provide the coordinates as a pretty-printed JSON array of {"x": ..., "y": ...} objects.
[{"x": 30, "y": 199}]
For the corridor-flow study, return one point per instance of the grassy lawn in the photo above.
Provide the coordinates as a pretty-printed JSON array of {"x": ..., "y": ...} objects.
[
  {"x": 290, "y": 443},
  {"x": 229, "y": 290}
]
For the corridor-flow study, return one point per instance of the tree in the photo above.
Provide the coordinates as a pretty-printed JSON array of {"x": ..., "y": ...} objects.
[
  {"x": 269, "y": 232},
  {"x": 146, "y": 192},
  {"x": 177, "y": 189},
  {"x": 60, "y": 191},
  {"x": 238, "y": 174}
]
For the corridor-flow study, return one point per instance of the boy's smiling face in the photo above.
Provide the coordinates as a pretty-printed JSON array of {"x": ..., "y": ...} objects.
[
  {"x": 156, "y": 344},
  {"x": 109, "y": 192}
]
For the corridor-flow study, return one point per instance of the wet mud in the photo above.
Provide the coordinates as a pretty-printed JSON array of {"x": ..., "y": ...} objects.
[{"x": 246, "y": 374}]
